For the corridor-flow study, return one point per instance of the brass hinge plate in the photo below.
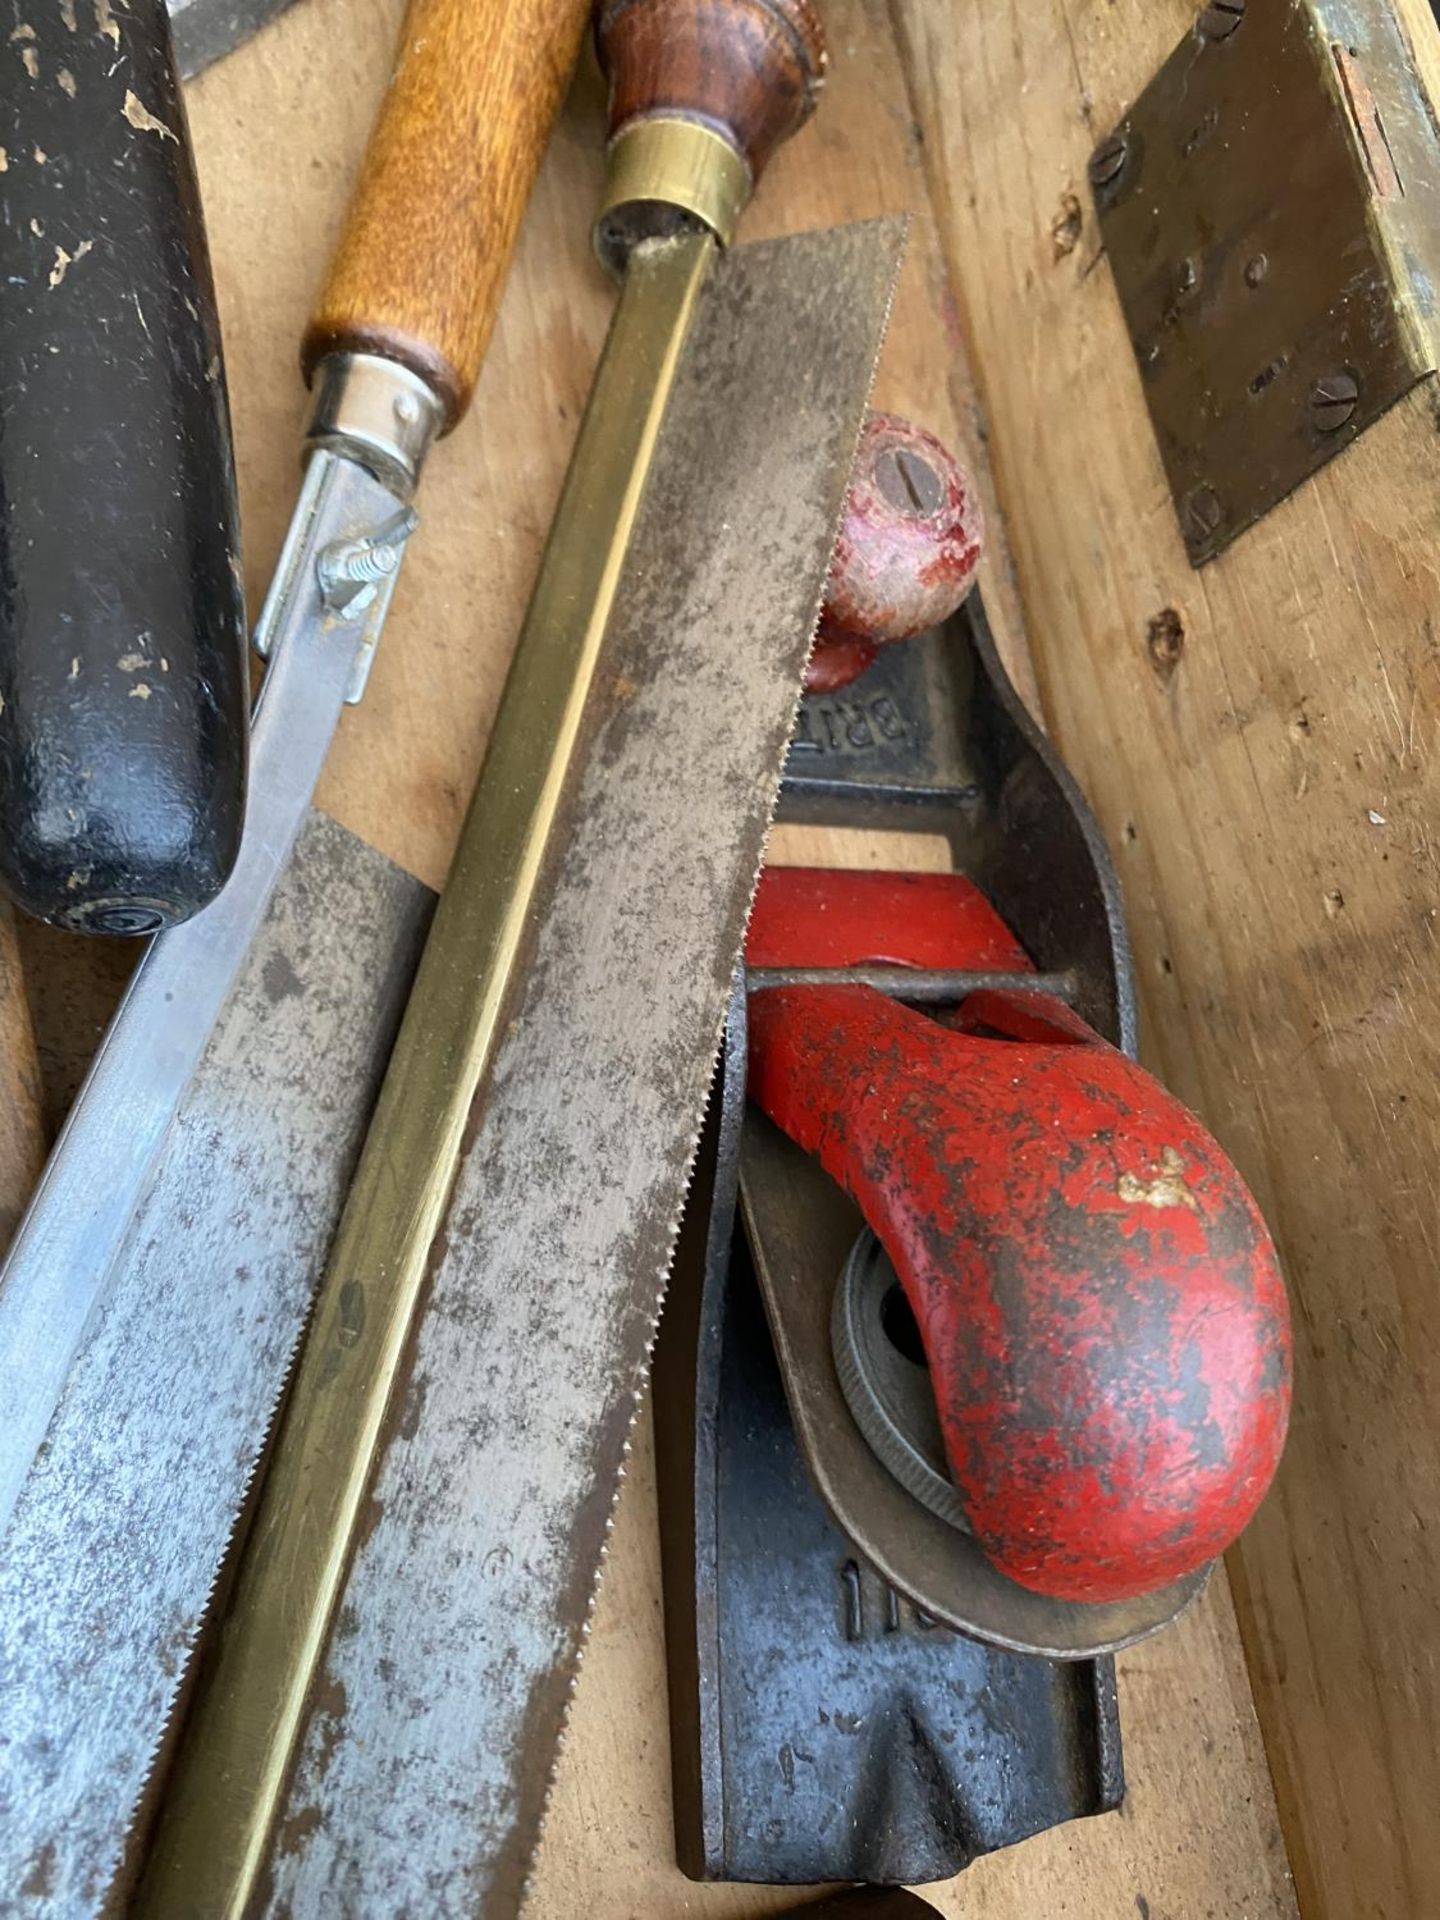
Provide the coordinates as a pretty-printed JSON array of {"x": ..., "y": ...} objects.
[{"x": 1271, "y": 210}]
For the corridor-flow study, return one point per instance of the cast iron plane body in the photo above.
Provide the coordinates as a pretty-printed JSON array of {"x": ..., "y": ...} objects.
[{"x": 823, "y": 1726}]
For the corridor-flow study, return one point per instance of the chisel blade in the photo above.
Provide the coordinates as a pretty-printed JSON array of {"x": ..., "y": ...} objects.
[
  {"x": 423, "y": 1760},
  {"x": 206, "y": 30}
]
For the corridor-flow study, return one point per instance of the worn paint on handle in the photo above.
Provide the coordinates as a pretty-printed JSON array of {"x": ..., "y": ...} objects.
[
  {"x": 123, "y": 688},
  {"x": 1100, "y": 1302}
]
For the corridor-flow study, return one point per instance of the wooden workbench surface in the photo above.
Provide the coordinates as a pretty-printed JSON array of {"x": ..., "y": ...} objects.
[
  {"x": 1268, "y": 780},
  {"x": 279, "y": 128}
]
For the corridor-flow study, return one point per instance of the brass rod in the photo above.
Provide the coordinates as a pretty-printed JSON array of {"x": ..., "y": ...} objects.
[{"x": 233, "y": 1766}]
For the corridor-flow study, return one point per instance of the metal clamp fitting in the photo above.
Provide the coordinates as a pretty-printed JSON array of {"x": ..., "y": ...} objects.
[
  {"x": 378, "y": 413},
  {"x": 352, "y": 572}
]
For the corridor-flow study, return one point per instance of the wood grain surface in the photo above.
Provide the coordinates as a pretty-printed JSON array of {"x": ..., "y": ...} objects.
[
  {"x": 22, "y": 1133},
  {"x": 752, "y": 69},
  {"x": 426, "y": 247},
  {"x": 277, "y": 154},
  {"x": 1267, "y": 773}
]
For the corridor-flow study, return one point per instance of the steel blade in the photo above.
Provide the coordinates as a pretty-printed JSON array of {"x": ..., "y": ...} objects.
[
  {"x": 121, "y": 1530},
  {"x": 424, "y": 1761},
  {"x": 206, "y": 30},
  {"x": 310, "y": 1508},
  {"x": 59, "y": 1264}
]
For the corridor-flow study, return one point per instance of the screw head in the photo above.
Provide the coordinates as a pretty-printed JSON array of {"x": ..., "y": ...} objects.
[
  {"x": 1202, "y": 514},
  {"x": 127, "y": 921},
  {"x": 909, "y": 483},
  {"x": 1333, "y": 400},
  {"x": 1108, "y": 160},
  {"x": 1220, "y": 19}
]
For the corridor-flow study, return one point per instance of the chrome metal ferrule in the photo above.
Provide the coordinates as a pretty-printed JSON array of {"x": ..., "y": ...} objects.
[
  {"x": 664, "y": 166},
  {"x": 374, "y": 411}
]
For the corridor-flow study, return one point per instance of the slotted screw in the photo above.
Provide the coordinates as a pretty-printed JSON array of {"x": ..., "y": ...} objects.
[
  {"x": 1333, "y": 400},
  {"x": 1220, "y": 19},
  {"x": 1108, "y": 160},
  {"x": 1202, "y": 514},
  {"x": 909, "y": 483}
]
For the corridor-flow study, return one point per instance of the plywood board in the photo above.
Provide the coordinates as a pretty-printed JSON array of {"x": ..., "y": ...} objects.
[{"x": 1267, "y": 773}]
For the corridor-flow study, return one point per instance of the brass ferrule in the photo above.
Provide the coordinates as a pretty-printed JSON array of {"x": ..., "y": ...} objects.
[{"x": 677, "y": 163}]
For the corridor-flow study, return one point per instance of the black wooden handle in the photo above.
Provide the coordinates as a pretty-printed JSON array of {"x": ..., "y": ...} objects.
[{"x": 122, "y": 630}]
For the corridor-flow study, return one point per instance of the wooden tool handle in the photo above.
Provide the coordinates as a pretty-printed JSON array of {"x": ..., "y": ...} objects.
[
  {"x": 906, "y": 553},
  {"x": 422, "y": 261},
  {"x": 750, "y": 69}
]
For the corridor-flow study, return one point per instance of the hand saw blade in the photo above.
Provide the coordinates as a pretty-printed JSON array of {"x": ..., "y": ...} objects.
[
  {"x": 422, "y": 1762},
  {"x": 57, "y": 1268},
  {"x": 119, "y": 1534}
]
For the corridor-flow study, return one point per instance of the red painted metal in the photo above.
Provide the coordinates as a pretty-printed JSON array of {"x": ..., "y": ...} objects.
[
  {"x": 1099, "y": 1299},
  {"x": 906, "y": 553},
  {"x": 816, "y": 917}
]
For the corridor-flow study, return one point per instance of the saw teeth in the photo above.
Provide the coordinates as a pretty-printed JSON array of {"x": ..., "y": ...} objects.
[
  {"x": 639, "y": 1371},
  {"x": 233, "y": 1543},
  {"x": 643, "y": 1376}
]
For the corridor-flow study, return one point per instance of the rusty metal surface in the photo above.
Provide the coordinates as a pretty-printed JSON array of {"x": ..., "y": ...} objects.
[
  {"x": 223, "y": 1800},
  {"x": 425, "y": 1763},
  {"x": 120, "y": 1532},
  {"x": 1268, "y": 210}
]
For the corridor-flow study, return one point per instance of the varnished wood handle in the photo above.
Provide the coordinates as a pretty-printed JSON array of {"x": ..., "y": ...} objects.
[
  {"x": 422, "y": 261},
  {"x": 906, "y": 553},
  {"x": 750, "y": 69}
]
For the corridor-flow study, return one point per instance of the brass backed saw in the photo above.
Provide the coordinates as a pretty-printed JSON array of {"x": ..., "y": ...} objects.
[{"x": 376, "y": 1728}]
